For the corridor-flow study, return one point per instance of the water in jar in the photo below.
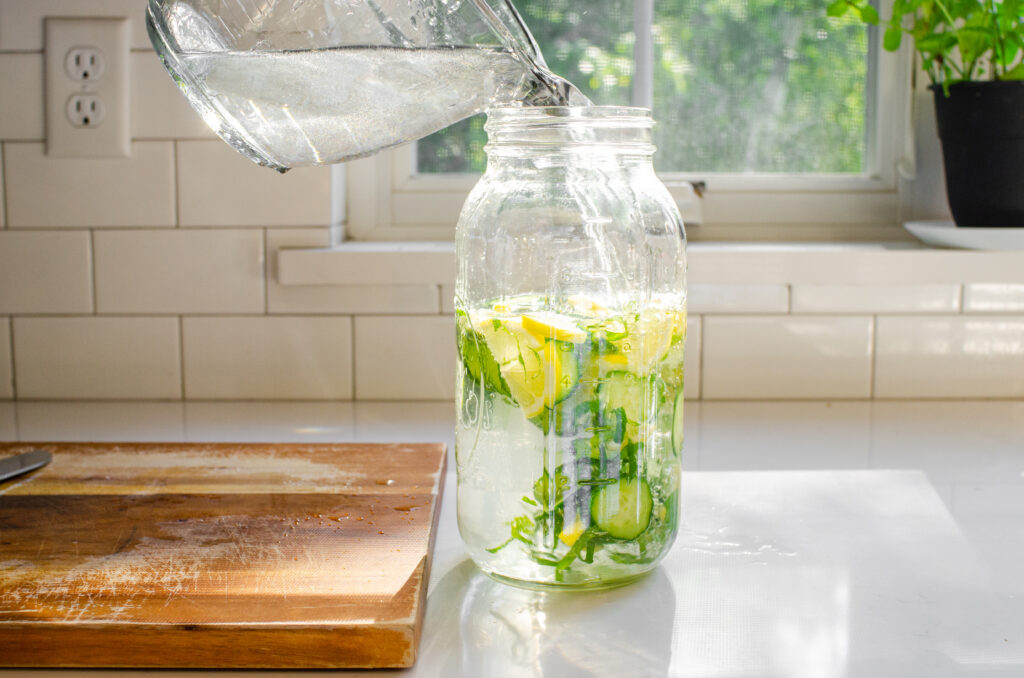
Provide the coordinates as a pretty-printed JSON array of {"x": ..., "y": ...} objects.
[{"x": 569, "y": 430}]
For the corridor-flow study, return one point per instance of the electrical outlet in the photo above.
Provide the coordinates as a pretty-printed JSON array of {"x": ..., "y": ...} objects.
[
  {"x": 84, "y": 64},
  {"x": 85, "y": 110},
  {"x": 87, "y": 95}
]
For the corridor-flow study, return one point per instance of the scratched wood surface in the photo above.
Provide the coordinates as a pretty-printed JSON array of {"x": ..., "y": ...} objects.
[{"x": 218, "y": 555}]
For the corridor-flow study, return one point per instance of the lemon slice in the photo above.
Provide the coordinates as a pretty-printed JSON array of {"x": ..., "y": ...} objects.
[
  {"x": 541, "y": 379},
  {"x": 505, "y": 337},
  {"x": 647, "y": 340},
  {"x": 613, "y": 362},
  {"x": 548, "y": 325},
  {"x": 570, "y": 533},
  {"x": 586, "y": 305},
  {"x": 526, "y": 380},
  {"x": 679, "y": 324}
]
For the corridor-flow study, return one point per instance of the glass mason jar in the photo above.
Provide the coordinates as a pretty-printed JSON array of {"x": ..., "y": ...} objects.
[{"x": 571, "y": 322}]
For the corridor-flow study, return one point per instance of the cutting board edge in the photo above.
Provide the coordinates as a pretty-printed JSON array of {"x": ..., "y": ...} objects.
[
  {"x": 209, "y": 646},
  {"x": 438, "y": 498}
]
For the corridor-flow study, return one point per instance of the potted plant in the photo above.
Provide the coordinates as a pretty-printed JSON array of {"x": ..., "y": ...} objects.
[{"x": 972, "y": 52}]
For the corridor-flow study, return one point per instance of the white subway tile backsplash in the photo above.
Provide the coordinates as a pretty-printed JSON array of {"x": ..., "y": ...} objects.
[
  {"x": 951, "y": 357},
  {"x": 993, "y": 298},
  {"x": 101, "y": 358},
  {"x": 786, "y": 357},
  {"x": 8, "y": 421},
  {"x": 353, "y": 299},
  {"x": 691, "y": 358},
  {"x": 6, "y": 369},
  {"x": 737, "y": 298},
  {"x": 159, "y": 110},
  {"x": 21, "y": 21},
  {"x": 448, "y": 299},
  {"x": 220, "y": 187},
  {"x": 21, "y": 106},
  {"x": 74, "y": 192},
  {"x": 279, "y": 238},
  {"x": 3, "y": 204},
  {"x": 405, "y": 357},
  {"x": 161, "y": 271},
  {"x": 45, "y": 272},
  {"x": 293, "y": 358},
  {"x": 366, "y": 299},
  {"x": 369, "y": 263},
  {"x": 876, "y": 298}
]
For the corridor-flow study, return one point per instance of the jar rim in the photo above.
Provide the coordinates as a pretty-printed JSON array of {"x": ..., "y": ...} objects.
[{"x": 618, "y": 115}]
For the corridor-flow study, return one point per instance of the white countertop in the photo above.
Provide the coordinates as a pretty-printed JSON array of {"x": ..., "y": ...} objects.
[{"x": 841, "y": 539}]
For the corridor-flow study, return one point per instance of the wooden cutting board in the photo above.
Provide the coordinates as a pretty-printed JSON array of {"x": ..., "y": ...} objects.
[{"x": 218, "y": 555}]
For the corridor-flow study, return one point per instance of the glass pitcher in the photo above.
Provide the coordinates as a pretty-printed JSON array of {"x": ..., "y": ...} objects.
[
  {"x": 571, "y": 327},
  {"x": 316, "y": 82}
]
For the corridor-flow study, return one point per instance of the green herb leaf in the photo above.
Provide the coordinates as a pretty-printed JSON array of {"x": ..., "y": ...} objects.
[
  {"x": 551, "y": 495},
  {"x": 893, "y": 38},
  {"x": 501, "y": 546},
  {"x": 1016, "y": 73},
  {"x": 868, "y": 14}
]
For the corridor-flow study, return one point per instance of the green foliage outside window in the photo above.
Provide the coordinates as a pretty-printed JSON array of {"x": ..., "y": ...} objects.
[{"x": 739, "y": 85}]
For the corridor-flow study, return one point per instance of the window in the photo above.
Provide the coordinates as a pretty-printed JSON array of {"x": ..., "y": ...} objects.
[{"x": 792, "y": 118}]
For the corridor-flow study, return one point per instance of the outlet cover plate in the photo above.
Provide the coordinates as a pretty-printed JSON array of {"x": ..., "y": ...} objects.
[{"x": 111, "y": 137}]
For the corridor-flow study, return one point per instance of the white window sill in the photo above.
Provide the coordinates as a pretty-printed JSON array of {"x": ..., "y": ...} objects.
[{"x": 412, "y": 263}]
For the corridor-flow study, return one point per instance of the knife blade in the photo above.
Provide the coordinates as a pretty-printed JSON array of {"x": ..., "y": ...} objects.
[{"x": 23, "y": 463}]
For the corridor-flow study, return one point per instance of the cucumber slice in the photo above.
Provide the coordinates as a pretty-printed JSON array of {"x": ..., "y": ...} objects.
[
  {"x": 563, "y": 371},
  {"x": 623, "y": 510},
  {"x": 635, "y": 395},
  {"x": 677, "y": 424}
]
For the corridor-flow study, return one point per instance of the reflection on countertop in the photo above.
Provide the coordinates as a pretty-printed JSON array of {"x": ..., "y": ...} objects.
[{"x": 838, "y": 539}]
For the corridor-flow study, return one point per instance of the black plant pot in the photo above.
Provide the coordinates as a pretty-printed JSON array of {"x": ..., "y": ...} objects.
[{"x": 981, "y": 125}]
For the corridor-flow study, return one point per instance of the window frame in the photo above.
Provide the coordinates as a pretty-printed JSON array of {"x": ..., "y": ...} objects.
[{"x": 388, "y": 200}]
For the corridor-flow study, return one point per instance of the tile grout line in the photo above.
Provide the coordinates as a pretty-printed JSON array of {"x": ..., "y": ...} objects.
[
  {"x": 874, "y": 357},
  {"x": 700, "y": 360},
  {"x": 14, "y": 373},
  {"x": 4, "y": 170},
  {"x": 963, "y": 298},
  {"x": 352, "y": 357},
  {"x": 181, "y": 353},
  {"x": 92, "y": 271},
  {"x": 265, "y": 283},
  {"x": 176, "y": 179}
]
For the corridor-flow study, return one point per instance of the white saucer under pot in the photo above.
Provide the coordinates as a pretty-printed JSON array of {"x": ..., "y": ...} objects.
[{"x": 946, "y": 234}]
